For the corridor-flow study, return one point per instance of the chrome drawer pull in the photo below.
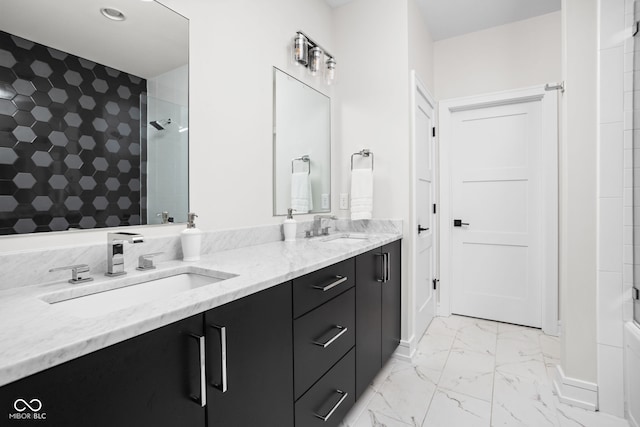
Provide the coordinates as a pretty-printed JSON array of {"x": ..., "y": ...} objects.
[
  {"x": 203, "y": 379},
  {"x": 331, "y": 285},
  {"x": 223, "y": 357},
  {"x": 343, "y": 330},
  {"x": 325, "y": 418}
]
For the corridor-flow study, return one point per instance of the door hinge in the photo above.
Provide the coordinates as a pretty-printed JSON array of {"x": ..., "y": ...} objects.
[
  {"x": 636, "y": 294},
  {"x": 434, "y": 208},
  {"x": 435, "y": 283},
  {"x": 433, "y": 131}
]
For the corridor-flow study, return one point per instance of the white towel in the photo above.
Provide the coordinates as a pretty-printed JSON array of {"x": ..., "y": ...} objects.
[
  {"x": 361, "y": 194},
  {"x": 301, "y": 197}
]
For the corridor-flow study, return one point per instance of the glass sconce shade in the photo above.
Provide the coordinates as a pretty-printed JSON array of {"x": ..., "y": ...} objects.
[
  {"x": 300, "y": 50},
  {"x": 315, "y": 60},
  {"x": 330, "y": 71}
]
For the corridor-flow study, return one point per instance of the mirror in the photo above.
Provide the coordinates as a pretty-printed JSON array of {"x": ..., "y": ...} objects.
[
  {"x": 301, "y": 147},
  {"x": 93, "y": 114}
]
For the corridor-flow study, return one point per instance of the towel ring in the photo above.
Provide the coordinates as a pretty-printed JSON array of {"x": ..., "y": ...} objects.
[
  {"x": 305, "y": 159},
  {"x": 365, "y": 152}
]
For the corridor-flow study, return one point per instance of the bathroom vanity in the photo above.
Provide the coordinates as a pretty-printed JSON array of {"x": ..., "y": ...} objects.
[{"x": 296, "y": 352}]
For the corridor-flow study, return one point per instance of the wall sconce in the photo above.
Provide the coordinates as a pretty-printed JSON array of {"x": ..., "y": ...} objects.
[{"x": 310, "y": 54}]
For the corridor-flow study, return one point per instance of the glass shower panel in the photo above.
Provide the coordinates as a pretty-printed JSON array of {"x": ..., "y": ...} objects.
[{"x": 635, "y": 171}]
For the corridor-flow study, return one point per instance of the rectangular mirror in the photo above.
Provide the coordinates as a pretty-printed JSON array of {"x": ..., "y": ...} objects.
[
  {"x": 301, "y": 147},
  {"x": 93, "y": 114}
]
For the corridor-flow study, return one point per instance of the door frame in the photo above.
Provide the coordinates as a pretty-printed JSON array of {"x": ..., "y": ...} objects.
[
  {"x": 549, "y": 191},
  {"x": 418, "y": 86}
]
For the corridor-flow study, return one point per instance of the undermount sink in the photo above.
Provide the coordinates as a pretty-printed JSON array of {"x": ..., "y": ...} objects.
[
  {"x": 103, "y": 301},
  {"x": 346, "y": 238}
]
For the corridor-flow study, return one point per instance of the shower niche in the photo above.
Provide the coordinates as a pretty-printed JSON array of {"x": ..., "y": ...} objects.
[{"x": 93, "y": 115}]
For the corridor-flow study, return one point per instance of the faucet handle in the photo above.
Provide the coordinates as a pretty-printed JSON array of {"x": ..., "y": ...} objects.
[
  {"x": 145, "y": 262},
  {"x": 77, "y": 273}
]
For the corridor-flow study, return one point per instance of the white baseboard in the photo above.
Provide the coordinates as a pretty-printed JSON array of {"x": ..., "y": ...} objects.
[
  {"x": 574, "y": 392},
  {"x": 406, "y": 349}
]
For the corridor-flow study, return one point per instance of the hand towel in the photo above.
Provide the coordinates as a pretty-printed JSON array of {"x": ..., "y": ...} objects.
[
  {"x": 361, "y": 194},
  {"x": 301, "y": 197}
]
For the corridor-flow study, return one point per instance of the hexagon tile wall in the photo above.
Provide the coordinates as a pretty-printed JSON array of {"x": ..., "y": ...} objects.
[{"x": 70, "y": 137}]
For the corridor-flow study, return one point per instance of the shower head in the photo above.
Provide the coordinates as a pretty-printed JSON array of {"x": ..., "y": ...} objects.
[{"x": 160, "y": 124}]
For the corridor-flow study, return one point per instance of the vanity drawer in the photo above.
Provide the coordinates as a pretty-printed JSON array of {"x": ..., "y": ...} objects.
[
  {"x": 321, "y": 338},
  {"x": 315, "y": 288},
  {"x": 330, "y": 398}
]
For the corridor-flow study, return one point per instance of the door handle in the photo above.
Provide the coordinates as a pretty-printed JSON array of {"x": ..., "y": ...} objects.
[
  {"x": 459, "y": 223},
  {"x": 223, "y": 358},
  {"x": 333, "y": 283},
  {"x": 421, "y": 229},
  {"x": 343, "y": 396},
  {"x": 202, "y": 400},
  {"x": 342, "y": 330}
]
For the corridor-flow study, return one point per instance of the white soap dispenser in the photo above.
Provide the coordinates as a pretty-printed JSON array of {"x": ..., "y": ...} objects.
[
  {"x": 191, "y": 239},
  {"x": 289, "y": 227}
]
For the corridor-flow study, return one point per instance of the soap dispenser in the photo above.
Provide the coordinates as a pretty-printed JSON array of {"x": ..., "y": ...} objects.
[
  {"x": 191, "y": 239},
  {"x": 289, "y": 227}
]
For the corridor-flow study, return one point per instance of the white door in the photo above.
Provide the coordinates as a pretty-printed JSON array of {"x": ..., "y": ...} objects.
[
  {"x": 496, "y": 198},
  {"x": 424, "y": 198}
]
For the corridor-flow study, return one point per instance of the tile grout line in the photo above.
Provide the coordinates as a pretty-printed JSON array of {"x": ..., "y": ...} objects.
[{"x": 495, "y": 367}]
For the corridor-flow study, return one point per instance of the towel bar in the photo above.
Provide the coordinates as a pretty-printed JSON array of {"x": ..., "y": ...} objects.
[
  {"x": 305, "y": 159},
  {"x": 365, "y": 152}
]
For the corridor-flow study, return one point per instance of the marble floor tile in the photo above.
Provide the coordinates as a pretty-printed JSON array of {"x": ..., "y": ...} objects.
[
  {"x": 519, "y": 401},
  {"x": 373, "y": 419},
  {"x": 570, "y": 416},
  {"x": 470, "y": 373},
  {"x": 478, "y": 336},
  {"x": 451, "y": 409}
]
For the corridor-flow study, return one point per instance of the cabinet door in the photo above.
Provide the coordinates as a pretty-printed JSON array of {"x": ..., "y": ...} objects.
[
  {"x": 148, "y": 380},
  {"x": 257, "y": 338},
  {"x": 368, "y": 318},
  {"x": 391, "y": 300}
]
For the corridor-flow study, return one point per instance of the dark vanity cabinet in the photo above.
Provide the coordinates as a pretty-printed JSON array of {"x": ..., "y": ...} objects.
[
  {"x": 249, "y": 360},
  {"x": 150, "y": 380},
  {"x": 295, "y": 354},
  {"x": 378, "y": 299}
]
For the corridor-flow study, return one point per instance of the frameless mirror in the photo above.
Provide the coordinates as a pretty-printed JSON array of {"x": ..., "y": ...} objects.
[
  {"x": 93, "y": 114},
  {"x": 301, "y": 147}
]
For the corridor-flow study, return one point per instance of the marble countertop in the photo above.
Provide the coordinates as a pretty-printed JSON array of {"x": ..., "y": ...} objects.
[{"x": 36, "y": 335}]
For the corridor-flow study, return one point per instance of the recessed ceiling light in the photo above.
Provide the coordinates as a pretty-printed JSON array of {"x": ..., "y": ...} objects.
[{"x": 111, "y": 13}]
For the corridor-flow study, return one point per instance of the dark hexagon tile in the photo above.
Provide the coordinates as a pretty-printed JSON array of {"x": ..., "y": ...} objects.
[
  {"x": 7, "y": 59},
  {"x": 72, "y": 133},
  {"x": 24, "y": 118},
  {"x": 112, "y": 146},
  {"x": 41, "y": 69},
  {"x": 112, "y": 72},
  {"x": 101, "y": 164},
  {"x": 42, "y": 159},
  {"x": 87, "y": 142},
  {"x": 87, "y": 183},
  {"x": 25, "y": 225},
  {"x": 57, "y": 54},
  {"x": 23, "y": 43},
  {"x": 24, "y": 180},
  {"x": 100, "y": 124},
  {"x": 42, "y": 203},
  {"x": 41, "y": 98},
  {"x": 100, "y": 86},
  {"x": 7, "y": 172},
  {"x": 58, "y": 138},
  {"x": 7, "y": 156},
  {"x": 58, "y": 95},
  {"x": 7, "y": 107},
  {"x": 41, "y": 114},
  {"x": 58, "y": 182},
  {"x": 41, "y": 128},
  {"x": 73, "y": 161},
  {"x": 23, "y": 87},
  {"x": 73, "y": 119},
  {"x": 8, "y": 203},
  {"x": 24, "y": 102},
  {"x": 73, "y": 78},
  {"x": 7, "y": 91},
  {"x": 87, "y": 102},
  {"x": 41, "y": 84},
  {"x": 73, "y": 203},
  {"x": 59, "y": 224},
  {"x": 24, "y": 134}
]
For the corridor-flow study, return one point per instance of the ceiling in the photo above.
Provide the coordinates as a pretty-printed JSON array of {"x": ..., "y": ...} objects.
[
  {"x": 450, "y": 18},
  {"x": 150, "y": 41}
]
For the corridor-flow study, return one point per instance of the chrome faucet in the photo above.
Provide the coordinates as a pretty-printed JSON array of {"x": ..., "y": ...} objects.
[
  {"x": 317, "y": 225},
  {"x": 115, "y": 251}
]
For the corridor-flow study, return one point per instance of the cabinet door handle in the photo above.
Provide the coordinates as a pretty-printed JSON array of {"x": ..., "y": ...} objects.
[
  {"x": 333, "y": 284},
  {"x": 387, "y": 270},
  {"x": 325, "y": 418},
  {"x": 384, "y": 268},
  {"x": 202, "y": 400},
  {"x": 342, "y": 331},
  {"x": 223, "y": 358}
]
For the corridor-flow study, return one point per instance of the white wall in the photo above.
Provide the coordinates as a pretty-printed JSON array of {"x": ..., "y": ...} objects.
[
  {"x": 511, "y": 56},
  {"x": 421, "y": 46}
]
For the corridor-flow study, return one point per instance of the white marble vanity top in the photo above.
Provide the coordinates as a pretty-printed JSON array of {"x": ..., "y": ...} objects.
[{"x": 36, "y": 335}]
